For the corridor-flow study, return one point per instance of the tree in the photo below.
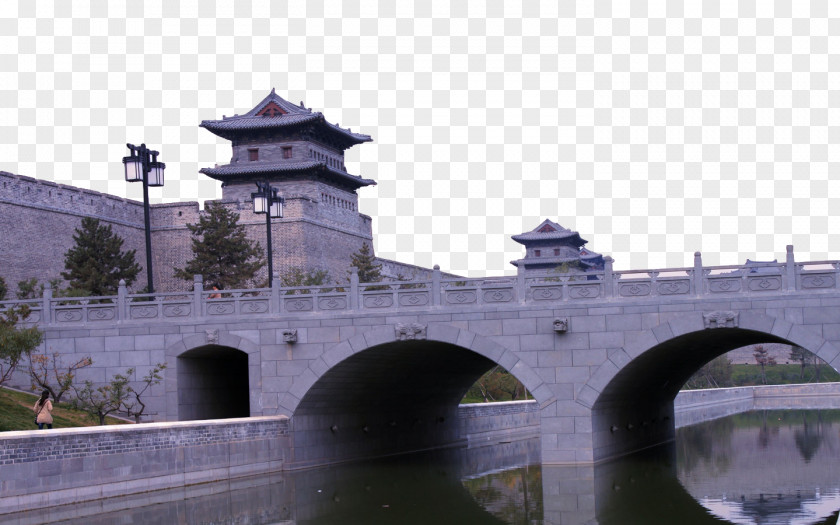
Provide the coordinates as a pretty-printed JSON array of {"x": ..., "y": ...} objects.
[
  {"x": 152, "y": 378},
  {"x": 106, "y": 399},
  {"x": 717, "y": 373},
  {"x": 15, "y": 342},
  {"x": 297, "y": 277},
  {"x": 365, "y": 262},
  {"x": 763, "y": 358},
  {"x": 221, "y": 251},
  {"x": 49, "y": 374},
  {"x": 3, "y": 289},
  {"x": 801, "y": 356},
  {"x": 96, "y": 263},
  {"x": 497, "y": 384}
]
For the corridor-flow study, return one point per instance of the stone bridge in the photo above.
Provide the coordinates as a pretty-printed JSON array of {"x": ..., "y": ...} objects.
[{"x": 364, "y": 370}]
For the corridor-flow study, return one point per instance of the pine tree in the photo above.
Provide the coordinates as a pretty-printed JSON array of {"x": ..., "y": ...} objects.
[
  {"x": 96, "y": 263},
  {"x": 222, "y": 253},
  {"x": 365, "y": 262}
]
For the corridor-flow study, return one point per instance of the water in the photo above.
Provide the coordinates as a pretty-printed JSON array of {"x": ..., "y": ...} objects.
[{"x": 761, "y": 468}]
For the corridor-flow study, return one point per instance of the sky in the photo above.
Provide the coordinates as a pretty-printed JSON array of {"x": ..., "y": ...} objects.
[{"x": 653, "y": 128}]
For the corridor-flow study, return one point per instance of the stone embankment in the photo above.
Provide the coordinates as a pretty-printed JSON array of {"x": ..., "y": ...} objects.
[{"x": 696, "y": 406}]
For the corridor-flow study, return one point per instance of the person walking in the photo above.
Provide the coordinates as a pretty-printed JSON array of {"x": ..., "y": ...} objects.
[{"x": 43, "y": 411}]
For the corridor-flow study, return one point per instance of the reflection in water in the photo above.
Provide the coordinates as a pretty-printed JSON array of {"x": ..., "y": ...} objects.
[
  {"x": 761, "y": 468},
  {"x": 782, "y": 466}
]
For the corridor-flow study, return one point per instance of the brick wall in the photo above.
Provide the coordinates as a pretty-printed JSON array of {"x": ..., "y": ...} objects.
[
  {"x": 320, "y": 230},
  {"x": 49, "y": 468}
]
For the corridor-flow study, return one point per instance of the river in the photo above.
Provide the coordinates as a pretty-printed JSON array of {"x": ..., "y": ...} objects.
[{"x": 762, "y": 468}]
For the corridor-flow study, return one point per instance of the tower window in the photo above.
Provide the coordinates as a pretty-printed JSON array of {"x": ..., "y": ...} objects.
[
  {"x": 287, "y": 152},
  {"x": 556, "y": 251},
  {"x": 536, "y": 253},
  {"x": 253, "y": 154}
]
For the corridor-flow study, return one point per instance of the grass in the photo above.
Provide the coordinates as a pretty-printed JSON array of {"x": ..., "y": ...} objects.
[
  {"x": 746, "y": 375},
  {"x": 16, "y": 413}
]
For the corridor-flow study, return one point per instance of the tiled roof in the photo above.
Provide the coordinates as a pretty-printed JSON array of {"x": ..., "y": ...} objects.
[
  {"x": 229, "y": 171},
  {"x": 552, "y": 231},
  {"x": 229, "y": 127}
]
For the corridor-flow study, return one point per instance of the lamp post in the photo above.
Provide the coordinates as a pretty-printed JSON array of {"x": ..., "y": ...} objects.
[
  {"x": 142, "y": 165},
  {"x": 268, "y": 202}
]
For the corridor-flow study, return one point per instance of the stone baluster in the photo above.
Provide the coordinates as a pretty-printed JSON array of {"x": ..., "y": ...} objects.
[
  {"x": 698, "y": 274},
  {"x": 122, "y": 300},
  {"x": 354, "y": 288},
  {"x": 46, "y": 307},
  {"x": 608, "y": 276},
  {"x": 521, "y": 291},
  {"x": 790, "y": 267},
  {"x": 435, "y": 285},
  {"x": 274, "y": 300},
  {"x": 198, "y": 296}
]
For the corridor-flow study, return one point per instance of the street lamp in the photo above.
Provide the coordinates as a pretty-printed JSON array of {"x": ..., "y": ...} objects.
[
  {"x": 142, "y": 165},
  {"x": 268, "y": 202}
]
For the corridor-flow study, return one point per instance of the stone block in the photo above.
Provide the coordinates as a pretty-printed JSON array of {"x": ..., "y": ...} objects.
[
  {"x": 148, "y": 342},
  {"x": 781, "y": 328},
  {"x": 443, "y": 332},
  {"x": 606, "y": 340},
  {"x": 808, "y": 337},
  {"x": 828, "y": 352},
  {"x": 588, "y": 323},
  {"x": 327, "y": 334},
  {"x": 519, "y": 326},
  {"x": 602, "y": 376},
  {"x": 120, "y": 343},
  {"x": 687, "y": 324},
  {"x": 302, "y": 382},
  {"x": 488, "y": 348},
  {"x": 588, "y": 357},
  {"x": 820, "y": 315},
  {"x": 556, "y": 358},
  {"x": 663, "y": 332},
  {"x": 749, "y": 320},
  {"x": 465, "y": 338},
  {"x": 571, "y": 341},
  {"x": 380, "y": 335},
  {"x": 539, "y": 342},
  {"x": 492, "y": 327},
  {"x": 558, "y": 425},
  {"x": 134, "y": 359},
  {"x": 619, "y": 357}
]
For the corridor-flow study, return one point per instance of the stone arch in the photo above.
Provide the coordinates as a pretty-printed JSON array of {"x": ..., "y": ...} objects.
[
  {"x": 374, "y": 394},
  {"x": 774, "y": 329},
  {"x": 631, "y": 395},
  {"x": 216, "y": 376},
  {"x": 436, "y": 332}
]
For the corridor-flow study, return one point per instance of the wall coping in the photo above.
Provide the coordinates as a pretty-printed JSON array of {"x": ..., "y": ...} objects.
[{"x": 134, "y": 427}]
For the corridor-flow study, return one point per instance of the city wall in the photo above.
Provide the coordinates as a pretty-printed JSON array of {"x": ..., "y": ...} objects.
[{"x": 321, "y": 228}]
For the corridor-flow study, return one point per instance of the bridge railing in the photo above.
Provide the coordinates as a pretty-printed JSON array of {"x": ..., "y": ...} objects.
[{"x": 539, "y": 289}]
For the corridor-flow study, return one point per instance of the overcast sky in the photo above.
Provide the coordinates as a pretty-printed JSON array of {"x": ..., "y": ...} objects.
[{"x": 655, "y": 129}]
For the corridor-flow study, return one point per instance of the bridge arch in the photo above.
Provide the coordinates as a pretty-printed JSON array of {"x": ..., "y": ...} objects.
[
  {"x": 375, "y": 394},
  {"x": 217, "y": 374},
  {"x": 631, "y": 394}
]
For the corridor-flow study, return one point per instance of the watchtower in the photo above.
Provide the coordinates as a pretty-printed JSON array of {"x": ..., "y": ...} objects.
[{"x": 301, "y": 154}]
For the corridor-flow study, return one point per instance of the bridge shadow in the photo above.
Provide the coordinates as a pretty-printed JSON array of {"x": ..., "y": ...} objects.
[
  {"x": 634, "y": 409},
  {"x": 392, "y": 398}
]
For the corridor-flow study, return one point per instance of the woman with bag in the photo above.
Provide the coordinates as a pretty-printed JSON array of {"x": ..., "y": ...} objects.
[{"x": 43, "y": 411}]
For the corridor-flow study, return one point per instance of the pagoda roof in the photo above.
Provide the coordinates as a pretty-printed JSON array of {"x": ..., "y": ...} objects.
[
  {"x": 247, "y": 170},
  {"x": 550, "y": 231},
  {"x": 274, "y": 112}
]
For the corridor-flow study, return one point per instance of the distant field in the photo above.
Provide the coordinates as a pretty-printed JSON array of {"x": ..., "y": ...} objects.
[
  {"x": 16, "y": 413},
  {"x": 746, "y": 375}
]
